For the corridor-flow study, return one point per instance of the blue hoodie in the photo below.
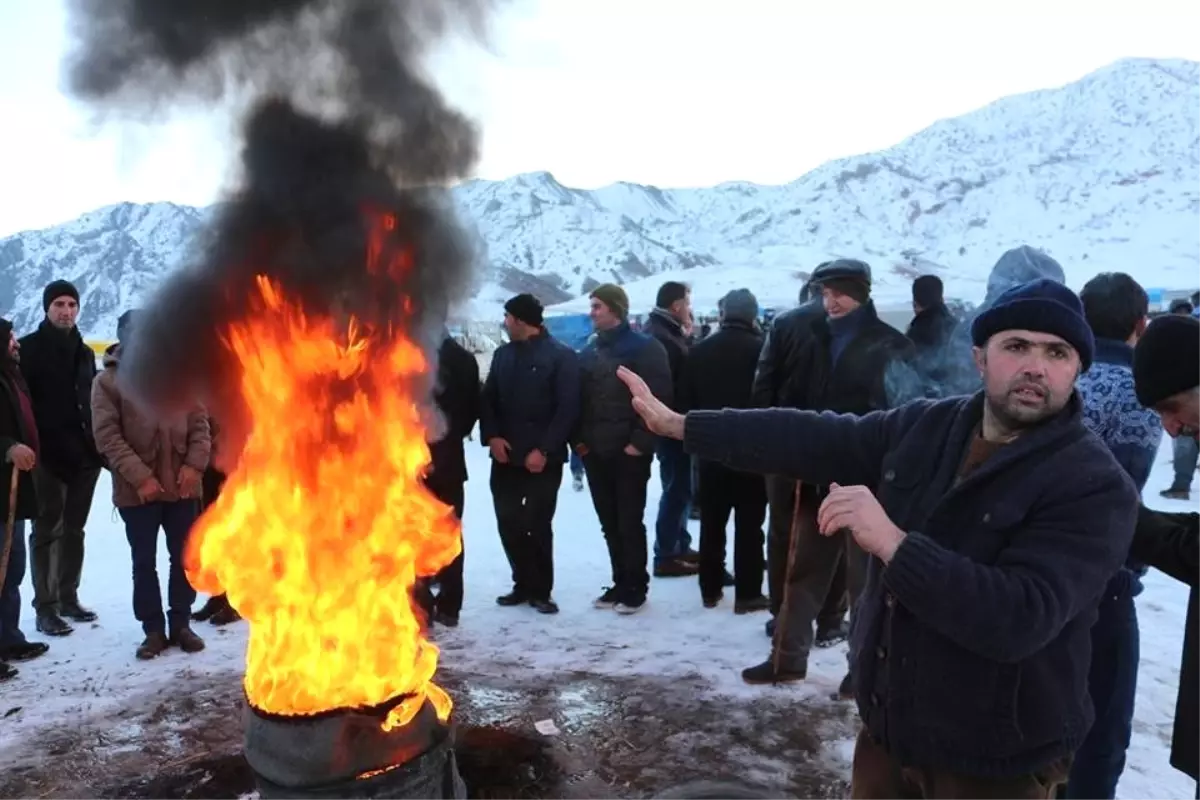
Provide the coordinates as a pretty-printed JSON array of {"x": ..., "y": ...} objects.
[{"x": 1017, "y": 266}]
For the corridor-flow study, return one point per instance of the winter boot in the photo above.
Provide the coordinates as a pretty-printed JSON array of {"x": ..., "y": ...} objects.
[
  {"x": 845, "y": 689},
  {"x": 691, "y": 557},
  {"x": 76, "y": 612},
  {"x": 770, "y": 626},
  {"x": 675, "y": 568},
  {"x": 186, "y": 640},
  {"x": 7, "y": 672},
  {"x": 712, "y": 601},
  {"x": 764, "y": 674},
  {"x": 607, "y": 599},
  {"x": 225, "y": 615},
  {"x": 629, "y": 602},
  {"x": 153, "y": 646},
  {"x": 546, "y": 606},
  {"x": 751, "y": 605},
  {"x": 513, "y": 598},
  {"x": 1175, "y": 494},
  {"x": 211, "y": 606},
  {"x": 828, "y": 637},
  {"x": 25, "y": 651},
  {"x": 52, "y": 624},
  {"x": 446, "y": 618}
]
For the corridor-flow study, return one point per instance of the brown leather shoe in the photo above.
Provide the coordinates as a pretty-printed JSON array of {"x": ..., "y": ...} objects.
[
  {"x": 153, "y": 646},
  {"x": 187, "y": 640}
]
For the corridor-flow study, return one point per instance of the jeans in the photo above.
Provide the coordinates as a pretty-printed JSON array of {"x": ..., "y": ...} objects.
[
  {"x": 1186, "y": 453},
  {"x": 142, "y": 524},
  {"x": 1112, "y": 683},
  {"x": 671, "y": 537},
  {"x": 576, "y": 465},
  {"x": 10, "y": 597}
]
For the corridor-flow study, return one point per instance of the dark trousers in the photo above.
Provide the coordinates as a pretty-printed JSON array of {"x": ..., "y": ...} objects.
[
  {"x": 876, "y": 775},
  {"x": 618, "y": 486},
  {"x": 1112, "y": 684},
  {"x": 671, "y": 537},
  {"x": 781, "y": 496},
  {"x": 723, "y": 491},
  {"x": 525, "y": 503},
  {"x": 142, "y": 524},
  {"x": 817, "y": 561},
  {"x": 56, "y": 543},
  {"x": 1186, "y": 452},
  {"x": 449, "y": 578},
  {"x": 10, "y": 596}
]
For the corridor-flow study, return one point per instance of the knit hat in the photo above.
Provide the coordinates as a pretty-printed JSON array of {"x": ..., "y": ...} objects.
[
  {"x": 1166, "y": 360},
  {"x": 57, "y": 289},
  {"x": 1044, "y": 306},
  {"x": 740, "y": 305},
  {"x": 526, "y": 308},
  {"x": 614, "y": 297},
  {"x": 927, "y": 291}
]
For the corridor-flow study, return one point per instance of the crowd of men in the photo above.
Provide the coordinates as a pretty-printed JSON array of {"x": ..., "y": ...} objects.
[{"x": 970, "y": 488}]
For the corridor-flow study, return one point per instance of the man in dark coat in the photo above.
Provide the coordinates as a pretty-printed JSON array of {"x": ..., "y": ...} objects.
[
  {"x": 59, "y": 369},
  {"x": 457, "y": 396},
  {"x": 781, "y": 381},
  {"x": 1115, "y": 307},
  {"x": 929, "y": 331},
  {"x": 19, "y": 446},
  {"x": 530, "y": 407},
  {"x": 994, "y": 523},
  {"x": 616, "y": 446},
  {"x": 851, "y": 357},
  {"x": 719, "y": 373},
  {"x": 673, "y": 554},
  {"x": 1166, "y": 369}
]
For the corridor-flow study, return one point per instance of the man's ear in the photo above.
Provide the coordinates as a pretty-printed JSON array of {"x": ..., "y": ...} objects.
[{"x": 980, "y": 355}]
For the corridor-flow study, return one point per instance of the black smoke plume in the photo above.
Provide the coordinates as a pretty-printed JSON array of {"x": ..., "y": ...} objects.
[{"x": 340, "y": 124}]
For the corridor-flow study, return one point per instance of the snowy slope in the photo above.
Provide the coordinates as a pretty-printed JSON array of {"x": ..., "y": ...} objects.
[
  {"x": 1103, "y": 173},
  {"x": 92, "y": 678}
]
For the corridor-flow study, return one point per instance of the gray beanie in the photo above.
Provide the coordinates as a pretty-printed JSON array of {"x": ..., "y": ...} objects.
[{"x": 739, "y": 305}]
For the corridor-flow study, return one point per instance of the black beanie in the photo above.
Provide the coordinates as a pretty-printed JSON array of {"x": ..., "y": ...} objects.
[
  {"x": 526, "y": 308},
  {"x": 1166, "y": 360},
  {"x": 1044, "y": 306},
  {"x": 57, "y": 289}
]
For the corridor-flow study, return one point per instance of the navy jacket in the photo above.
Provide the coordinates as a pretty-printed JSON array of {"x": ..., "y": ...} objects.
[
  {"x": 972, "y": 647},
  {"x": 607, "y": 421},
  {"x": 531, "y": 397}
]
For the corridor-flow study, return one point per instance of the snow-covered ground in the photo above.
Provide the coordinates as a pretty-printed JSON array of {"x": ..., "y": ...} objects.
[{"x": 93, "y": 674}]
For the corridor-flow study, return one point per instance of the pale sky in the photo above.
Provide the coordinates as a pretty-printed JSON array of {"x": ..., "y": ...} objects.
[{"x": 667, "y": 92}]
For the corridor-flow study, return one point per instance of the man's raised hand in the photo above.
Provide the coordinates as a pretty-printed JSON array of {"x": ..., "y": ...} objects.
[{"x": 658, "y": 418}]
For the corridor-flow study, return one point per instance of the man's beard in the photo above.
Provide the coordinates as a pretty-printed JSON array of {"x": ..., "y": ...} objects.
[{"x": 1013, "y": 414}]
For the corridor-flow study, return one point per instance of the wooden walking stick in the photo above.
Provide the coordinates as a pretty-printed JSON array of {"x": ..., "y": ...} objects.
[
  {"x": 781, "y": 620},
  {"x": 9, "y": 524}
]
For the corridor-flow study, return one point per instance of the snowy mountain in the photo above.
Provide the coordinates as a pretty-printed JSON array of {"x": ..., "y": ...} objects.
[{"x": 1103, "y": 173}]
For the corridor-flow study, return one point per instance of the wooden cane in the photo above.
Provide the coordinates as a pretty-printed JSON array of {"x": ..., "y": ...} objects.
[
  {"x": 781, "y": 620},
  {"x": 9, "y": 524}
]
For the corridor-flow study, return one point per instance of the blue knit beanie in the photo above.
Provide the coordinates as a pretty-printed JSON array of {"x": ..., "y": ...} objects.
[{"x": 1044, "y": 306}]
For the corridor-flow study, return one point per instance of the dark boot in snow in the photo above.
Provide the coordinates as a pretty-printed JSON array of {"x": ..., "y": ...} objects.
[
  {"x": 225, "y": 614},
  {"x": 1175, "y": 494},
  {"x": 751, "y": 605},
  {"x": 446, "y": 618},
  {"x": 187, "y": 640},
  {"x": 845, "y": 689},
  {"x": 153, "y": 646},
  {"x": 607, "y": 599},
  {"x": 513, "y": 598},
  {"x": 546, "y": 606},
  {"x": 210, "y": 607},
  {"x": 713, "y": 601},
  {"x": 25, "y": 651},
  {"x": 78, "y": 613},
  {"x": 770, "y": 626},
  {"x": 831, "y": 636},
  {"x": 8, "y": 672},
  {"x": 727, "y": 581},
  {"x": 764, "y": 674},
  {"x": 52, "y": 624},
  {"x": 675, "y": 568}
]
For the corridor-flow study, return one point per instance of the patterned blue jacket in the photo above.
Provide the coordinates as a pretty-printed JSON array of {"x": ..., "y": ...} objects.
[{"x": 1132, "y": 433}]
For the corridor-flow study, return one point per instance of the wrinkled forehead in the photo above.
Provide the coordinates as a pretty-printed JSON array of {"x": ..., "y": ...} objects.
[{"x": 1032, "y": 338}]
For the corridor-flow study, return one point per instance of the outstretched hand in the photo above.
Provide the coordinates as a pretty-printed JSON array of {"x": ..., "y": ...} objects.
[{"x": 658, "y": 417}]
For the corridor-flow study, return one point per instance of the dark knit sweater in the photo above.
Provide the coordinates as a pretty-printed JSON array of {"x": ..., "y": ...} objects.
[{"x": 971, "y": 650}]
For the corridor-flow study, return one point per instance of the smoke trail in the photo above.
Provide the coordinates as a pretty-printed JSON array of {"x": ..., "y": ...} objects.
[{"x": 341, "y": 119}]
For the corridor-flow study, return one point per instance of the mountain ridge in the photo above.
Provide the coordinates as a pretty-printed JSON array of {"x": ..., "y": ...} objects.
[{"x": 1103, "y": 173}]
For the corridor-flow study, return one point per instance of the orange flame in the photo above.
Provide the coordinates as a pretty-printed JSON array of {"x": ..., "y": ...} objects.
[{"x": 324, "y": 525}]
